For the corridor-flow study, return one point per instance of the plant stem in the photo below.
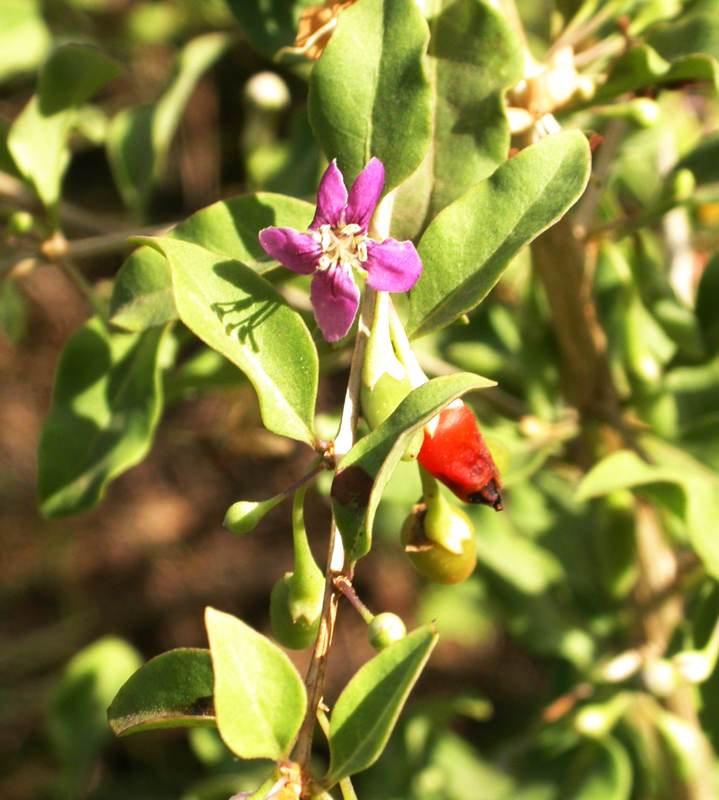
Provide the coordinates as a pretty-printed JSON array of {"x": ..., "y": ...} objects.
[{"x": 337, "y": 562}]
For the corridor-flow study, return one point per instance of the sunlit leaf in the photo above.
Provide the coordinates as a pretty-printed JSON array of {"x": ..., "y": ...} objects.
[
  {"x": 467, "y": 246},
  {"x": 369, "y": 93},
  {"x": 474, "y": 55},
  {"x": 142, "y": 294},
  {"x": 367, "y": 710},
  {"x": 260, "y": 699},
  {"x": 237, "y": 313},
  {"x": 24, "y": 37}
]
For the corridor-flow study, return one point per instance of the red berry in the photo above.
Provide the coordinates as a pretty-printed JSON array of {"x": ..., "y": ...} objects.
[{"x": 456, "y": 455}]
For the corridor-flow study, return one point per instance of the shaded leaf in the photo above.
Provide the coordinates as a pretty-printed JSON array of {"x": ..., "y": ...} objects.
[
  {"x": 467, "y": 246},
  {"x": 77, "y": 716},
  {"x": 142, "y": 295},
  {"x": 643, "y": 66},
  {"x": 367, "y": 710},
  {"x": 260, "y": 699},
  {"x": 369, "y": 93},
  {"x": 686, "y": 488},
  {"x": 171, "y": 690},
  {"x": 139, "y": 138},
  {"x": 38, "y": 139},
  {"x": 237, "y": 313},
  {"x": 106, "y": 405},
  {"x": 363, "y": 473},
  {"x": 269, "y": 24}
]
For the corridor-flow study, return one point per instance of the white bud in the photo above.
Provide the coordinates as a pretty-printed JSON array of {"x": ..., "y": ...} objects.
[
  {"x": 267, "y": 91},
  {"x": 693, "y": 665}
]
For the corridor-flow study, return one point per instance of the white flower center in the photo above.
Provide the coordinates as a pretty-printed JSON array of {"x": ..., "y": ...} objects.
[{"x": 346, "y": 247}]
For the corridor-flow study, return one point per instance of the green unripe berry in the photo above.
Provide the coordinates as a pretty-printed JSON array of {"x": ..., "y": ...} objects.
[
  {"x": 431, "y": 559},
  {"x": 385, "y": 629},
  {"x": 295, "y": 634}
]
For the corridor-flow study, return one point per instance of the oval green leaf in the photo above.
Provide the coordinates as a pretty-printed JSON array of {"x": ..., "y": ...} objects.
[
  {"x": 474, "y": 55},
  {"x": 106, "y": 405},
  {"x": 24, "y": 37},
  {"x": 369, "y": 93},
  {"x": 172, "y": 690},
  {"x": 688, "y": 489},
  {"x": 260, "y": 700},
  {"x": 363, "y": 473},
  {"x": 237, "y": 313},
  {"x": 142, "y": 295},
  {"x": 467, "y": 246},
  {"x": 367, "y": 710}
]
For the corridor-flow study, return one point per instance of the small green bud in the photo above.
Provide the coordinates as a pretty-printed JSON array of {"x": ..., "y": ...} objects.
[
  {"x": 243, "y": 516},
  {"x": 20, "y": 222},
  {"x": 381, "y": 400},
  {"x": 683, "y": 184},
  {"x": 385, "y": 629}
]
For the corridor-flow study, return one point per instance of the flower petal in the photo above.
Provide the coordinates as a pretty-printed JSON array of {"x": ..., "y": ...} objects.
[
  {"x": 335, "y": 299},
  {"x": 365, "y": 193},
  {"x": 331, "y": 198},
  {"x": 392, "y": 266},
  {"x": 294, "y": 250}
]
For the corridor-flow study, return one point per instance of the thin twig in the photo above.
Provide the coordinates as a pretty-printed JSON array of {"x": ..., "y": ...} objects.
[{"x": 337, "y": 561}]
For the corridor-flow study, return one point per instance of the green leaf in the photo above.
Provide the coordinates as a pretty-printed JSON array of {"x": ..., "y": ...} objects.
[
  {"x": 142, "y": 294},
  {"x": 106, "y": 405},
  {"x": 474, "y": 55},
  {"x": 38, "y": 139},
  {"x": 260, "y": 699},
  {"x": 467, "y": 246},
  {"x": 643, "y": 66},
  {"x": 363, "y": 473},
  {"x": 24, "y": 37},
  {"x": 369, "y": 93},
  {"x": 694, "y": 33},
  {"x": 77, "y": 716},
  {"x": 367, "y": 710},
  {"x": 139, "y": 138},
  {"x": 695, "y": 498},
  {"x": 269, "y": 24},
  {"x": 172, "y": 690},
  {"x": 237, "y": 313}
]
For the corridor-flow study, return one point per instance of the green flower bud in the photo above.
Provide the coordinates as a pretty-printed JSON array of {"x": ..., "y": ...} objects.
[
  {"x": 297, "y": 598},
  {"x": 385, "y": 629},
  {"x": 243, "y": 516}
]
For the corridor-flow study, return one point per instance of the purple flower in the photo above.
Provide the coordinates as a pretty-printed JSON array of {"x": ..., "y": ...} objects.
[{"x": 337, "y": 242}]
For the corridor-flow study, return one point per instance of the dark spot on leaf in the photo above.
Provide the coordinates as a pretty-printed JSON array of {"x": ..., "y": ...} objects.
[
  {"x": 352, "y": 487},
  {"x": 202, "y": 707}
]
